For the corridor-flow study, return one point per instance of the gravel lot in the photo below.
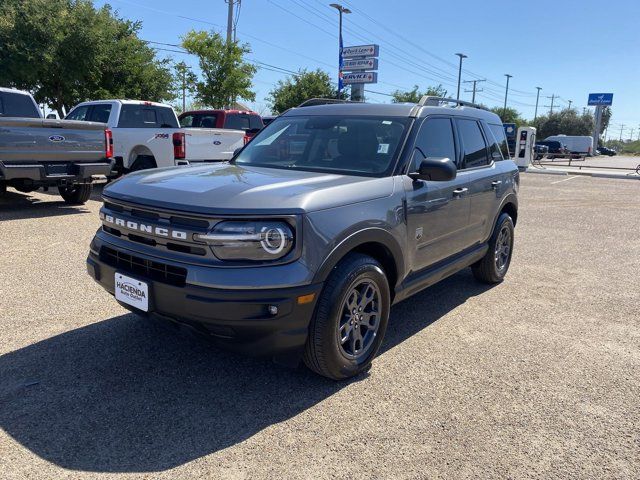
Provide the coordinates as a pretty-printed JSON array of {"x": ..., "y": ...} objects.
[{"x": 538, "y": 377}]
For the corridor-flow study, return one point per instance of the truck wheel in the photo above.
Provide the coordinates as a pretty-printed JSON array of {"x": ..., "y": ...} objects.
[
  {"x": 350, "y": 319},
  {"x": 493, "y": 267},
  {"x": 143, "y": 162},
  {"x": 76, "y": 194}
]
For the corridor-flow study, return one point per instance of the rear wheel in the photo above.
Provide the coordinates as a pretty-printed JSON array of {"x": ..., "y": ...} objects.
[
  {"x": 350, "y": 320},
  {"x": 143, "y": 162},
  {"x": 76, "y": 194},
  {"x": 493, "y": 267}
]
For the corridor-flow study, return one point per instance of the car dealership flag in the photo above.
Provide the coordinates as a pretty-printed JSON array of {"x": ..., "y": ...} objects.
[{"x": 340, "y": 66}]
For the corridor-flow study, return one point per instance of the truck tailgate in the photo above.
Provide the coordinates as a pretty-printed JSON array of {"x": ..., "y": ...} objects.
[
  {"x": 24, "y": 140},
  {"x": 207, "y": 144}
]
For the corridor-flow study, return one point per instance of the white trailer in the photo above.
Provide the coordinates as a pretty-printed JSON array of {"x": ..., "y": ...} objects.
[{"x": 581, "y": 144}]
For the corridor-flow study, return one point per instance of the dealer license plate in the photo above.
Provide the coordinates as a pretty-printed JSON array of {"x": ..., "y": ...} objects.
[{"x": 132, "y": 292}]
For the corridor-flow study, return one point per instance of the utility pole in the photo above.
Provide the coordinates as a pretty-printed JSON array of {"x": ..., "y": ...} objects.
[
  {"x": 535, "y": 115},
  {"x": 184, "y": 89},
  {"x": 570, "y": 102},
  {"x": 359, "y": 88},
  {"x": 621, "y": 129},
  {"x": 552, "y": 97},
  {"x": 631, "y": 134},
  {"x": 473, "y": 100},
  {"x": 506, "y": 92},
  {"x": 461, "y": 55},
  {"x": 229, "y": 21}
]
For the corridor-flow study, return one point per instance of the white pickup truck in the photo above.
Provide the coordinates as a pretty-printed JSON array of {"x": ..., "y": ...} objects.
[{"x": 147, "y": 135}]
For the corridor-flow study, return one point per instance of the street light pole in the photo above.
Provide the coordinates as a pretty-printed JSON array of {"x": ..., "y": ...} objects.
[
  {"x": 535, "y": 115},
  {"x": 506, "y": 92},
  {"x": 341, "y": 10},
  {"x": 461, "y": 55}
]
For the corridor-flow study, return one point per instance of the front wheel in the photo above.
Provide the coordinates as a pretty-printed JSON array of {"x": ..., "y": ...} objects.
[
  {"x": 350, "y": 320},
  {"x": 76, "y": 194},
  {"x": 493, "y": 267}
]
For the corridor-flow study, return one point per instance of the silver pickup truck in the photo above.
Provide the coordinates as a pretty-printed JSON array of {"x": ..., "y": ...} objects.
[{"x": 37, "y": 153}]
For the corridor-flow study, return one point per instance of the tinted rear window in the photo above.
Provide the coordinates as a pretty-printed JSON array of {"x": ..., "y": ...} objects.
[
  {"x": 147, "y": 116},
  {"x": 17, "y": 105},
  {"x": 199, "y": 120}
]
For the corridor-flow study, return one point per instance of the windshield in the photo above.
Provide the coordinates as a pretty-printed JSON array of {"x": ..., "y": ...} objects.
[{"x": 348, "y": 145}]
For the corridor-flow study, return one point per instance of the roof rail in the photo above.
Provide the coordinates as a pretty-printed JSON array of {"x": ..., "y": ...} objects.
[
  {"x": 323, "y": 101},
  {"x": 433, "y": 101}
]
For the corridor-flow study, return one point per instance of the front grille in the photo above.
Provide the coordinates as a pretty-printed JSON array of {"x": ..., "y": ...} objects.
[{"x": 157, "y": 271}]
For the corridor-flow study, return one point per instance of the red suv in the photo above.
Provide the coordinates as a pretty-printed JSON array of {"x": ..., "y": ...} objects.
[{"x": 248, "y": 121}]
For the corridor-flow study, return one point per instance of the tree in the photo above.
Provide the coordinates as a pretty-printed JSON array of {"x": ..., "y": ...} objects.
[
  {"x": 295, "y": 89},
  {"x": 565, "y": 122},
  {"x": 185, "y": 83},
  {"x": 509, "y": 115},
  {"x": 412, "y": 96},
  {"x": 67, "y": 51},
  {"x": 226, "y": 75}
]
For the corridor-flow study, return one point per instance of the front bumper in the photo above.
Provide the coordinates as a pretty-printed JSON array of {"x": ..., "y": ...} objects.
[
  {"x": 54, "y": 172},
  {"x": 237, "y": 319}
]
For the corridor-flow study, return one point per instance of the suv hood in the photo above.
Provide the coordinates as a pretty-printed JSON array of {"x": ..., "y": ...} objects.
[{"x": 226, "y": 188}]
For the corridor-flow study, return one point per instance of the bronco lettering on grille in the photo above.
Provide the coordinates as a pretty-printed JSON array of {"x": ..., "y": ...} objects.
[{"x": 144, "y": 228}]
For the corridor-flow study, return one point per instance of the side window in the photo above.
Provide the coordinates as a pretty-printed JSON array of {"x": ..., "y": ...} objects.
[
  {"x": 473, "y": 144},
  {"x": 186, "y": 121},
  {"x": 100, "y": 113},
  {"x": 498, "y": 149},
  {"x": 435, "y": 139},
  {"x": 79, "y": 113},
  {"x": 237, "y": 121},
  {"x": 255, "y": 122},
  {"x": 165, "y": 117}
]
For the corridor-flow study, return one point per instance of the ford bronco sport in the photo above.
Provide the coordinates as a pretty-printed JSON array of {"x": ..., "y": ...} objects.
[{"x": 299, "y": 246}]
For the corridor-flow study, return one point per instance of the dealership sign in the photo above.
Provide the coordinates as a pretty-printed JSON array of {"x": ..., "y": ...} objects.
[
  {"x": 360, "y": 64},
  {"x": 360, "y": 77},
  {"x": 360, "y": 51},
  {"x": 600, "y": 99}
]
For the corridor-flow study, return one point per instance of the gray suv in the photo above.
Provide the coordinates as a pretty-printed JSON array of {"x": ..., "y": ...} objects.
[{"x": 299, "y": 246}]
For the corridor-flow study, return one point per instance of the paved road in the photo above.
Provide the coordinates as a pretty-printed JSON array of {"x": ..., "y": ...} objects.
[{"x": 537, "y": 377}]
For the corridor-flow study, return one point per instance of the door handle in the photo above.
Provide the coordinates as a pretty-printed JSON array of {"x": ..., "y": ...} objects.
[
  {"x": 458, "y": 192},
  {"x": 496, "y": 184}
]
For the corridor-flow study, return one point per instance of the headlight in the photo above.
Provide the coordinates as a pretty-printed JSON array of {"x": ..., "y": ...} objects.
[{"x": 256, "y": 240}]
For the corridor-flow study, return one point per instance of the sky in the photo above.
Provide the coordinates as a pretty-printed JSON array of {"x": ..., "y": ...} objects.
[{"x": 568, "y": 48}]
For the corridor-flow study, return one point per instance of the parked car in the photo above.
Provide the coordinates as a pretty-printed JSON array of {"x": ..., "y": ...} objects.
[
  {"x": 607, "y": 151},
  {"x": 301, "y": 244},
  {"x": 37, "y": 153},
  {"x": 267, "y": 119},
  {"x": 247, "y": 121},
  {"x": 556, "y": 149},
  {"x": 540, "y": 151},
  {"x": 147, "y": 135},
  {"x": 576, "y": 144}
]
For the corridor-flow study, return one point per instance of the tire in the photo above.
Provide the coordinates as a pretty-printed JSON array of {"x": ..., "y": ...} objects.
[
  {"x": 493, "y": 268},
  {"x": 325, "y": 353},
  {"x": 143, "y": 162},
  {"x": 76, "y": 194}
]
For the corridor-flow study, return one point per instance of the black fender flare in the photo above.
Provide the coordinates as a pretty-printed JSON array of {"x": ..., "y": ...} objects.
[
  {"x": 354, "y": 240},
  {"x": 509, "y": 198}
]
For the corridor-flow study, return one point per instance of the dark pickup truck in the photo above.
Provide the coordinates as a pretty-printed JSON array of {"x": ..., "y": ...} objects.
[{"x": 37, "y": 153}]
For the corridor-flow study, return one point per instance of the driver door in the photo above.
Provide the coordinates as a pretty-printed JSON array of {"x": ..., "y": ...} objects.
[{"x": 437, "y": 211}]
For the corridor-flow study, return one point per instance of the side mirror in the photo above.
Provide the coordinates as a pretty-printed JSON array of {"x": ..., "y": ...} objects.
[{"x": 435, "y": 169}]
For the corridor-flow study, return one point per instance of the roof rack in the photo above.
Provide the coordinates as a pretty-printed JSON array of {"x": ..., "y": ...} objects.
[
  {"x": 433, "y": 101},
  {"x": 323, "y": 101}
]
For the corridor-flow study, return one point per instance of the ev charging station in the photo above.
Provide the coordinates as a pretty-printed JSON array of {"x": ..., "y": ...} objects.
[{"x": 525, "y": 142}]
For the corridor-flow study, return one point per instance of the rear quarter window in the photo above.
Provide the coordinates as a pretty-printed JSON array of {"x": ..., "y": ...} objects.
[
  {"x": 237, "y": 121},
  {"x": 17, "y": 105},
  {"x": 501, "y": 140}
]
